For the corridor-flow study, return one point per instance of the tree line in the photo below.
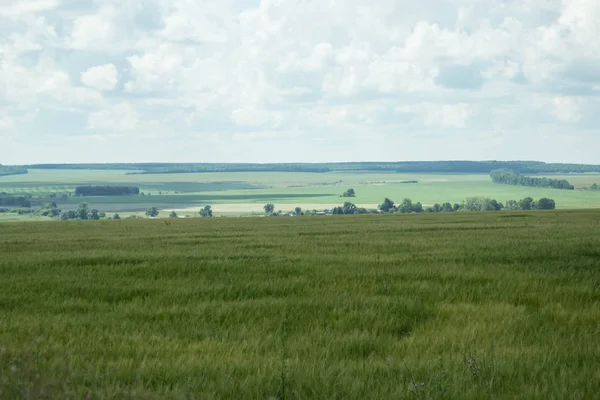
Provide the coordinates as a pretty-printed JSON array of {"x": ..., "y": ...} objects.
[
  {"x": 511, "y": 178},
  {"x": 470, "y": 204},
  {"x": 107, "y": 191},
  {"x": 521, "y": 167},
  {"x": 6, "y": 170},
  {"x": 18, "y": 201},
  {"x": 408, "y": 206}
]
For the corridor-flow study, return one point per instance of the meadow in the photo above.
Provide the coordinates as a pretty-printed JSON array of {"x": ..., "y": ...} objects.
[
  {"x": 241, "y": 193},
  {"x": 428, "y": 306}
]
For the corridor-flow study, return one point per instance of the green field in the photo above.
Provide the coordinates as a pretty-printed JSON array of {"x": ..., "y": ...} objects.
[
  {"x": 462, "y": 306},
  {"x": 285, "y": 189}
]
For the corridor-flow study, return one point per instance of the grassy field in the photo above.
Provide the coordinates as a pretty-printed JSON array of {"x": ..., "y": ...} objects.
[
  {"x": 230, "y": 191},
  {"x": 436, "y": 306}
]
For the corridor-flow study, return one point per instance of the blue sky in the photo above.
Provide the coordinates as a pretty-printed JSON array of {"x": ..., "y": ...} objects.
[{"x": 277, "y": 81}]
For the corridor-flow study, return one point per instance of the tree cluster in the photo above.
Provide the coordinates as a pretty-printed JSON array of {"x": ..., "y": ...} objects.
[
  {"x": 50, "y": 210},
  {"x": 512, "y": 178},
  {"x": 107, "y": 191},
  {"x": 83, "y": 212},
  {"x": 347, "y": 209},
  {"x": 349, "y": 193},
  {"x": 206, "y": 212},
  {"x": 8, "y": 200},
  {"x": 406, "y": 207},
  {"x": 6, "y": 170},
  {"x": 152, "y": 212},
  {"x": 470, "y": 204}
]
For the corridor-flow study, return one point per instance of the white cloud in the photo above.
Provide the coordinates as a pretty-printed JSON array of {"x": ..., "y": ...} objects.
[
  {"x": 97, "y": 31},
  {"x": 440, "y": 115},
  {"x": 157, "y": 70},
  {"x": 255, "y": 72},
  {"x": 11, "y": 8},
  {"x": 119, "y": 118},
  {"x": 567, "y": 109},
  {"x": 101, "y": 77}
]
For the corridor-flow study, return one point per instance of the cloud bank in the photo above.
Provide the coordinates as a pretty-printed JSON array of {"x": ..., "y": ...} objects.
[{"x": 277, "y": 81}]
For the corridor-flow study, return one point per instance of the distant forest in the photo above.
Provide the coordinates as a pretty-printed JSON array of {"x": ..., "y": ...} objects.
[
  {"x": 4, "y": 170},
  {"x": 107, "y": 191},
  {"x": 519, "y": 167},
  {"x": 510, "y": 178}
]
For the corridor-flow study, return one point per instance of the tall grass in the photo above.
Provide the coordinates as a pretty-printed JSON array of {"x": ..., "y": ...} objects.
[{"x": 466, "y": 305}]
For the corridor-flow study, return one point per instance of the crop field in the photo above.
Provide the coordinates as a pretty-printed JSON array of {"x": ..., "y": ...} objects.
[
  {"x": 431, "y": 306},
  {"x": 245, "y": 192}
]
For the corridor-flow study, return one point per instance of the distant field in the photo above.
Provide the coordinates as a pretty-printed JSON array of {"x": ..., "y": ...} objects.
[
  {"x": 285, "y": 189},
  {"x": 431, "y": 306}
]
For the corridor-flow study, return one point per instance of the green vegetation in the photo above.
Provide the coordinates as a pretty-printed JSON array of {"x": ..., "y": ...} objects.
[
  {"x": 349, "y": 193},
  {"x": 470, "y": 204},
  {"x": 403, "y": 167},
  {"x": 347, "y": 209},
  {"x": 206, "y": 212},
  {"x": 9, "y": 200},
  {"x": 461, "y": 305},
  {"x": 152, "y": 212},
  {"x": 244, "y": 193},
  {"x": 269, "y": 208},
  {"x": 6, "y": 170},
  {"x": 511, "y": 178},
  {"x": 107, "y": 191}
]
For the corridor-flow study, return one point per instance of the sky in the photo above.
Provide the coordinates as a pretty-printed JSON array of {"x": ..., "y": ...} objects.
[{"x": 299, "y": 80}]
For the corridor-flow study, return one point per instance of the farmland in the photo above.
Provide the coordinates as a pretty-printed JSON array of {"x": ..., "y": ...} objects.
[
  {"x": 241, "y": 193},
  {"x": 461, "y": 305}
]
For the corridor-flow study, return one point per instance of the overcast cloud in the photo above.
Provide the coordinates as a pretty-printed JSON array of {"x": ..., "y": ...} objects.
[{"x": 310, "y": 80}]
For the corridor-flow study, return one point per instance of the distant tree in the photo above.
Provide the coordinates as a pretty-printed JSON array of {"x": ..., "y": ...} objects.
[
  {"x": 83, "y": 211},
  {"x": 116, "y": 216},
  {"x": 437, "y": 208},
  {"x": 512, "y": 205},
  {"x": 447, "y": 207},
  {"x": 152, "y": 212},
  {"x": 406, "y": 206},
  {"x": 361, "y": 210},
  {"x": 338, "y": 211},
  {"x": 595, "y": 186},
  {"x": 495, "y": 206},
  {"x": 348, "y": 208},
  {"x": 418, "y": 208},
  {"x": 106, "y": 190},
  {"x": 50, "y": 210},
  {"x": 471, "y": 204},
  {"x": 73, "y": 214},
  {"x": 64, "y": 216},
  {"x": 298, "y": 211},
  {"x": 387, "y": 205},
  {"x": 545, "y": 204},
  {"x": 526, "y": 203},
  {"x": 173, "y": 214},
  {"x": 349, "y": 193},
  {"x": 269, "y": 208},
  {"x": 456, "y": 207},
  {"x": 479, "y": 204},
  {"x": 511, "y": 178},
  {"x": 206, "y": 212},
  {"x": 94, "y": 215}
]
